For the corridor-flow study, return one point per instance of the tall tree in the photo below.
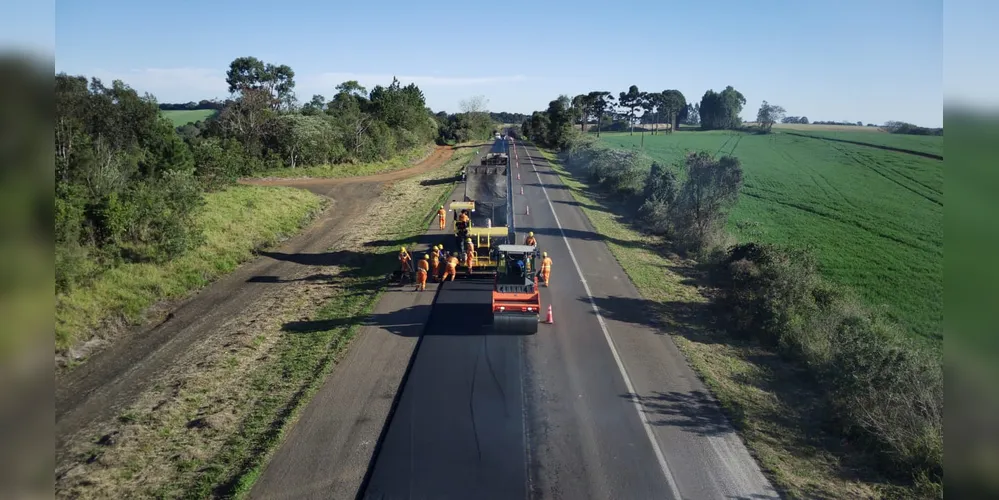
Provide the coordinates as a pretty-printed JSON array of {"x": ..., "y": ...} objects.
[
  {"x": 250, "y": 73},
  {"x": 768, "y": 115},
  {"x": 648, "y": 102},
  {"x": 581, "y": 109},
  {"x": 631, "y": 102},
  {"x": 720, "y": 110},
  {"x": 673, "y": 103},
  {"x": 601, "y": 103},
  {"x": 559, "y": 121}
]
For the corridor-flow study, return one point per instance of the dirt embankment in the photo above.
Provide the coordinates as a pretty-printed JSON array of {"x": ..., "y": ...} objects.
[{"x": 174, "y": 371}]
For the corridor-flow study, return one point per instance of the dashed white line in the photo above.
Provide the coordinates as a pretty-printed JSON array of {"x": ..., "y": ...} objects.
[{"x": 610, "y": 343}]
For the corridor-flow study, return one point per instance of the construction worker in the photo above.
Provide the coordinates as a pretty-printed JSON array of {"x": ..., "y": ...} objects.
[
  {"x": 464, "y": 216},
  {"x": 404, "y": 261},
  {"x": 546, "y": 267},
  {"x": 469, "y": 247},
  {"x": 470, "y": 260},
  {"x": 441, "y": 217},
  {"x": 530, "y": 239},
  {"x": 435, "y": 261},
  {"x": 421, "y": 273},
  {"x": 451, "y": 269}
]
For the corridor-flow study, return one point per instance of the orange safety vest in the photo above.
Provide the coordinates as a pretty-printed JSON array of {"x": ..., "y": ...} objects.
[
  {"x": 440, "y": 213},
  {"x": 546, "y": 265},
  {"x": 530, "y": 241},
  {"x": 422, "y": 265}
]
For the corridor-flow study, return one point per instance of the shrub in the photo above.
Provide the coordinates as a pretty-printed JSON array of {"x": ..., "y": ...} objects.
[
  {"x": 218, "y": 163},
  {"x": 661, "y": 190},
  {"x": 883, "y": 389}
]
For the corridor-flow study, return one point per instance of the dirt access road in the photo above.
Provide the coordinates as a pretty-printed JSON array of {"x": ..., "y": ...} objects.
[{"x": 219, "y": 315}]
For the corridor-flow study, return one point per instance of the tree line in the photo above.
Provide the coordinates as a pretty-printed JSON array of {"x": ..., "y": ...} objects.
[
  {"x": 602, "y": 111},
  {"x": 605, "y": 112},
  {"x": 128, "y": 183}
]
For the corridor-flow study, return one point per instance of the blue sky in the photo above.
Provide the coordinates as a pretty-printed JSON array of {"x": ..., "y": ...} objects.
[{"x": 868, "y": 60}]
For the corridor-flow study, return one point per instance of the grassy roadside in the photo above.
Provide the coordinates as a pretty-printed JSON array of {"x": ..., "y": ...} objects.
[
  {"x": 404, "y": 160},
  {"x": 236, "y": 221},
  {"x": 771, "y": 403},
  {"x": 210, "y": 425}
]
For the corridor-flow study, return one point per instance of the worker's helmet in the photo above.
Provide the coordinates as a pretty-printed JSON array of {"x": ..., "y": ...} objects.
[
  {"x": 442, "y": 206},
  {"x": 403, "y": 249},
  {"x": 544, "y": 254},
  {"x": 531, "y": 233},
  {"x": 469, "y": 240},
  {"x": 426, "y": 256}
]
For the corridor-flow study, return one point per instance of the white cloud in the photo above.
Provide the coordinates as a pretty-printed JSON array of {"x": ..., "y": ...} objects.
[{"x": 171, "y": 84}]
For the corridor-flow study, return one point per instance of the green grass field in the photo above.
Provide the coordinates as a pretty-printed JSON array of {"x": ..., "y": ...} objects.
[
  {"x": 932, "y": 144},
  {"x": 184, "y": 116},
  {"x": 873, "y": 217}
]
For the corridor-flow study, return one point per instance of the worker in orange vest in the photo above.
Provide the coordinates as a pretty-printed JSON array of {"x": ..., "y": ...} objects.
[
  {"x": 404, "y": 261},
  {"x": 421, "y": 273},
  {"x": 530, "y": 239},
  {"x": 451, "y": 269},
  {"x": 435, "y": 261},
  {"x": 441, "y": 217},
  {"x": 470, "y": 260},
  {"x": 546, "y": 267}
]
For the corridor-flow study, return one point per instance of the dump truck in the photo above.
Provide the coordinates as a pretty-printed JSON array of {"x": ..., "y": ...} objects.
[{"x": 488, "y": 202}]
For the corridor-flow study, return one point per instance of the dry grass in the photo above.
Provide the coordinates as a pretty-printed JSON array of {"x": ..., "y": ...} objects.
[
  {"x": 210, "y": 424},
  {"x": 772, "y": 404}
]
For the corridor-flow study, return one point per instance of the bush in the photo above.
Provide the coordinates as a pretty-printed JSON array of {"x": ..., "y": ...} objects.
[
  {"x": 218, "y": 163},
  {"x": 882, "y": 388}
]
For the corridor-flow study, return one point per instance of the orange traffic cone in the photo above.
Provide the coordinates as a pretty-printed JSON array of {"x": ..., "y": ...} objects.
[{"x": 550, "y": 320}]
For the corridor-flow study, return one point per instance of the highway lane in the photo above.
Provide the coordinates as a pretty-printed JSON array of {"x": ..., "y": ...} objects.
[
  {"x": 328, "y": 452},
  {"x": 458, "y": 429},
  {"x": 587, "y": 437}
]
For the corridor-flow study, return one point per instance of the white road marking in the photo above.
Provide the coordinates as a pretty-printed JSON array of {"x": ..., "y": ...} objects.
[{"x": 610, "y": 343}]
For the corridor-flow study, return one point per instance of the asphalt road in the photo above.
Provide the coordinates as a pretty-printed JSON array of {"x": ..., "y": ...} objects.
[
  {"x": 598, "y": 405},
  {"x": 604, "y": 404}
]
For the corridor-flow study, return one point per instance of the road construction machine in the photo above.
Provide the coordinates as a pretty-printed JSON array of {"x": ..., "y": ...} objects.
[
  {"x": 516, "y": 302},
  {"x": 488, "y": 224}
]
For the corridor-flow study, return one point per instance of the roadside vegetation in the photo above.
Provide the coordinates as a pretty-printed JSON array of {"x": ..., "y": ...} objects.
[
  {"x": 834, "y": 397},
  {"x": 140, "y": 204},
  {"x": 211, "y": 424}
]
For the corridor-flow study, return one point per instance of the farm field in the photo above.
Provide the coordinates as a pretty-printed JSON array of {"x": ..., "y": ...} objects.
[
  {"x": 182, "y": 117},
  {"x": 874, "y": 218},
  {"x": 933, "y": 144}
]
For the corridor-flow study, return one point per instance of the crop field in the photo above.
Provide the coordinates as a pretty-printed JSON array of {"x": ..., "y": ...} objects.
[
  {"x": 932, "y": 144},
  {"x": 873, "y": 217},
  {"x": 182, "y": 117}
]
